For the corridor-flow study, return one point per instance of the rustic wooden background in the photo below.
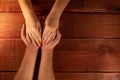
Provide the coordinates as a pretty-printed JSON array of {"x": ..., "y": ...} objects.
[{"x": 90, "y": 45}]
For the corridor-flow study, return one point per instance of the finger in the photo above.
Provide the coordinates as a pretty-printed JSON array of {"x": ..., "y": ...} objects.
[
  {"x": 37, "y": 35},
  {"x": 36, "y": 38},
  {"x": 50, "y": 38},
  {"x": 33, "y": 41},
  {"x": 37, "y": 41},
  {"x": 45, "y": 38},
  {"x": 23, "y": 34},
  {"x": 28, "y": 38},
  {"x": 53, "y": 37},
  {"x": 56, "y": 40},
  {"x": 44, "y": 34},
  {"x": 47, "y": 33},
  {"x": 58, "y": 37}
]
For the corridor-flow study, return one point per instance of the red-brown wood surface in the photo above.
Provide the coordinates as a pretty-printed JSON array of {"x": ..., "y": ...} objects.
[
  {"x": 90, "y": 45},
  {"x": 74, "y": 56},
  {"x": 72, "y": 25},
  {"x": 68, "y": 76},
  {"x": 112, "y": 6}
]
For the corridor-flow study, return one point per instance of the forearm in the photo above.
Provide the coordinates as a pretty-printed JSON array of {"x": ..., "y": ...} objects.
[
  {"x": 58, "y": 8},
  {"x": 46, "y": 67},
  {"x": 26, "y": 69},
  {"x": 26, "y": 7}
]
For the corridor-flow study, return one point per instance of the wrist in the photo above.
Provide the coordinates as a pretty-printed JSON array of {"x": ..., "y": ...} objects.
[
  {"x": 29, "y": 15},
  {"x": 46, "y": 51},
  {"x": 53, "y": 16},
  {"x": 52, "y": 21},
  {"x": 32, "y": 49}
]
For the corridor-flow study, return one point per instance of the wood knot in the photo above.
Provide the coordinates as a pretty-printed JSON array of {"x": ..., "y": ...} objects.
[{"x": 104, "y": 49}]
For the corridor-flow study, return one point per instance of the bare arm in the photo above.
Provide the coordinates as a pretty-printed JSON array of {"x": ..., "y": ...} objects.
[
  {"x": 26, "y": 7},
  {"x": 52, "y": 20},
  {"x": 26, "y": 69},
  {"x": 58, "y": 8},
  {"x": 46, "y": 71},
  {"x": 46, "y": 66},
  {"x": 33, "y": 26}
]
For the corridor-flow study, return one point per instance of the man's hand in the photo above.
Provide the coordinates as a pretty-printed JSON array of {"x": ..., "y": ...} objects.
[
  {"x": 33, "y": 29},
  {"x": 30, "y": 44},
  {"x": 53, "y": 43},
  {"x": 51, "y": 26}
]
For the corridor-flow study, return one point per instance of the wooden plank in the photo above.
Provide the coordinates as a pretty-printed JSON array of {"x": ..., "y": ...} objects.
[
  {"x": 107, "y": 76},
  {"x": 93, "y": 6},
  {"x": 101, "y": 45},
  {"x": 74, "y": 6},
  {"x": 6, "y": 54},
  {"x": 104, "y": 45},
  {"x": 19, "y": 47},
  {"x": 6, "y": 45},
  {"x": 87, "y": 76},
  {"x": 7, "y": 75},
  {"x": 82, "y": 55},
  {"x": 78, "y": 61},
  {"x": 70, "y": 76},
  {"x": 90, "y": 25},
  {"x": 71, "y": 25},
  {"x": 10, "y": 25},
  {"x": 19, "y": 52},
  {"x": 75, "y": 76},
  {"x": 7, "y": 63},
  {"x": 9, "y": 6}
]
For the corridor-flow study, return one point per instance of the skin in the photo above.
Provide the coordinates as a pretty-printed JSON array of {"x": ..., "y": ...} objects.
[
  {"x": 26, "y": 69},
  {"x": 52, "y": 20},
  {"x": 46, "y": 66},
  {"x": 33, "y": 26}
]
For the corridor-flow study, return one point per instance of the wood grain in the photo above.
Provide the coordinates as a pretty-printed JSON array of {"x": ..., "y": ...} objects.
[
  {"x": 7, "y": 63},
  {"x": 6, "y": 45},
  {"x": 7, "y": 75},
  {"x": 82, "y": 55},
  {"x": 69, "y": 76},
  {"x": 78, "y": 61},
  {"x": 90, "y": 45},
  {"x": 72, "y": 26},
  {"x": 10, "y": 25},
  {"x": 87, "y": 76},
  {"x": 90, "y": 25},
  {"x": 75, "y": 76},
  {"x": 104, "y": 6}
]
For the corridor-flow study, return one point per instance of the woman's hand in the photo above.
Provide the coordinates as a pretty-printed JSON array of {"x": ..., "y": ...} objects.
[
  {"x": 53, "y": 43},
  {"x": 51, "y": 26},
  {"x": 30, "y": 44},
  {"x": 33, "y": 29}
]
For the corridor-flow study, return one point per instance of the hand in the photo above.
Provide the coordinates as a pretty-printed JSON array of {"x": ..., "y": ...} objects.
[
  {"x": 33, "y": 29},
  {"x": 52, "y": 43},
  {"x": 26, "y": 41},
  {"x": 51, "y": 26}
]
